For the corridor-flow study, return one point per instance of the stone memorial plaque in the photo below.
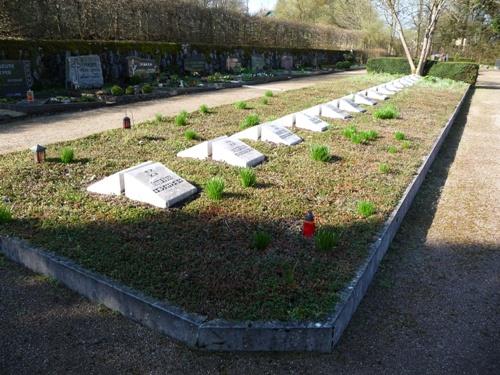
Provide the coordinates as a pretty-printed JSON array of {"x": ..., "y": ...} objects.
[
  {"x": 288, "y": 120},
  {"x": 384, "y": 90},
  {"x": 157, "y": 185},
  {"x": 308, "y": 122},
  {"x": 347, "y": 105},
  {"x": 332, "y": 111},
  {"x": 252, "y": 133},
  {"x": 287, "y": 62},
  {"x": 201, "y": 151},
  {"x": 114, "y": 184},
  {"x": 15, "y": 77},
  {"x": 373, "y": 94},
  {"x": 258, "y": 63},
  {"x": 233, "y": 64},
  {"x": 137, "y": 66},
  {"x": 313, "y": 111},
  {"x": 278, "y": 134},
  {"x": 362, "y": 99},
  {"x": 195, "y": 64},
  {"x": 234, "y": 152},
  {"x": 393, "y": 87},
  {"x": 84, "y": 72}
]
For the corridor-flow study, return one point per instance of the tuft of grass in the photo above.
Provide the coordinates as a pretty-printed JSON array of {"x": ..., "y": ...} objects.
[
  {"x": 269, "y": 94},
  {"x": 249, "y": 121},
  {"x": 320, "y": 153},
  {"x": 399, "y": 136},
  {"x": 392, "y": 149},
  {"x": 388, "y": 111},
  {"x": 370, "y": 135},
  {"x": 181, "y": 119},
  {"x": 67, "y": 155},
  {"x": 366, "y": 208},
  {"x": 190, "y": 135},
  {"x": 248, "y": 177},
  {"x": 5, "y": 214},
  {"x": 241, "y": 105},
  {"x": 264, "y": 101},
  {"x": 215, "y": 188},
  {"x": 325, "y": 239},
  {"x": 384, "y": 168},
  {"x": 204, "y": 110},
  {"x": 159, "y": 117},
  {"x": 405, "y": 145},
  {"x": 261, "y": 240},
  {"x": 358, "y": 138},
  {"x": 349, "y": 131}
]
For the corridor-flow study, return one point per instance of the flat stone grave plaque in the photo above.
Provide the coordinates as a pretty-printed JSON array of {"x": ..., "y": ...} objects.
[
  {"x": 258, "y": 63},
  {"x": 195, "y": 64},
  {"x": 347, "y": 105},
  {"x": 114, "y": 184},
  {"x": 287, "y": 62},
  {"x": 141, "y": 67},
  {"x": 233, "y": 64},
  {"x": 308, "y": 122},
  {"x": 313, "y": 111},
  {"x": 234, "y": 152},
  {"x": 384, "y": 90},
  {"x": 157, "y": 185},
  {"x": 362, "y": 99},
  {"x": 278, "y": 134},
  {"x": 332, "y": 111},
  {"x": 15, "y": 77},
  {"x": 252, "y": 133},
  {"x": 201, "y": 151},
  {"x": 288, "y": 120},
  {"x": 373, "y": 94},
  {"x": 84, "y": 71}
]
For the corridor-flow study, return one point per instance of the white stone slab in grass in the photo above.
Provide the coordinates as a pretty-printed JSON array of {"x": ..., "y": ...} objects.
[
  {"x": 308, "y": 122},
  {"x": 275, "y": 133},
  {"x": 373, "y": 94},
  {"x": 114, "y": 184},
  {"x": 396, "y": 85},
  {"x": 252, "y": 133},
  {"x": 201, "y": 151},
  {"x": 385, "y": 91},
  {"x": 313, "y": 111},
  {"x": 347, "y": 105},
  {"x": 234, "y": 152},
  {"x": 331, "y": 111},
  {"x": 390, "y": 86},
  {"x": 407, "y": 81},
  {"x": 362, "y": 99},
  {"x": 157, "y": 185},
  {"x": 288, "y": 120}
]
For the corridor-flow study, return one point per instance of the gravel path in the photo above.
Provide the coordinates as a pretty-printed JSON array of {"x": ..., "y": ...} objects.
[
  {"x": 44, "y": 130},
  {"x": 434, "y": 307}
]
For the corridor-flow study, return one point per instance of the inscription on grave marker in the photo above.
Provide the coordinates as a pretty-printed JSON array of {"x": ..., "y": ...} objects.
[
  {"x": 15, "y": 77},
  {"x": 194, "y": 64},
  {"x": 141, "y": 67},
  {"x": 258, "y": 63},
  {"x": 84, "y": 71}
]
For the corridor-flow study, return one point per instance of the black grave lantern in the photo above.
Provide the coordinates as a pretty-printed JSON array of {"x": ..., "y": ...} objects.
[{"x": 39, "y": 153}]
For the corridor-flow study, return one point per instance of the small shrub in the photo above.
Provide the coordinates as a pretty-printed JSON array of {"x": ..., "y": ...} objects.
[
  {"x": 159, "y": 117},
  {"x": 190, "y": 134},
  {"x": 264, "y": 101},
  {"x": 130, "y": 90},
  {"x": 248, "y": 177},
  {"x": 204, "y": 109},
  {"x": 343, "y": 65},
  {"x": 67, "y": 155},
  {"x": 320, "y": 153},
  {"x": 181, "y": 119},
  {"x": 392, "y": 149},
  {"x": 249, "y": 121},
  {"x": 386, "y": 112},
  {"x": 366, "y": 208},
  {"x": 406, "y": 145},
  {"x": 261, "y": 240},
  {"x": 116, "y": 90},
  {"x": 399, "y": 136},
  {"x": 269, "y": 94},
  {"x": 325, "y": 239},
  {"x": 241, "y": 105},
  {"x": 457, "y": 71},
  {"x": 370, "y": 135},
  {"x": 147, "y": 89},
  {"x": 358, "y": 138},
  {"x": 384, "y": 168},
  {"x": 392, "y": 65},
  {"x": 349, "y": 131},
  {"x": 5, "y": 214},
  {"x": 215, "y": 188}
]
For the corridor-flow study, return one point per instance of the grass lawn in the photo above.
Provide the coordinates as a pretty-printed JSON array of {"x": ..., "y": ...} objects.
[{"x": 201, "y": 255}]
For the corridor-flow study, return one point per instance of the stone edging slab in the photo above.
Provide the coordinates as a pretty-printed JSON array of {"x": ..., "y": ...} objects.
[{"x": 221, "y": 335}]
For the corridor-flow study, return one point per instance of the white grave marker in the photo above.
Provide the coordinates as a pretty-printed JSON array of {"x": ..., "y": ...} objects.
[
  {"x": 313, "y": 111},
  {"x": 384, "y": 90},
  {"x": 157, "y": 185},
  {"x": 373, "y": 94},
  {"x": 361, "y": 99},
  {"x": 201, "y": 151},
  {"x": 347, "y": 105},
  {"x": 252, "y": 133},
  {"x": 275, "y": 133},
  {"x": 234, "y": 152},
  {"x": 288, "y": 120},
  {"x": 332, "y": 111},
  {"x": 308, "y": 122}
]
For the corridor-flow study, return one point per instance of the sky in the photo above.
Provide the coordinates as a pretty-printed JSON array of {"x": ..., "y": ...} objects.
[{"x": 255, "y": 5}]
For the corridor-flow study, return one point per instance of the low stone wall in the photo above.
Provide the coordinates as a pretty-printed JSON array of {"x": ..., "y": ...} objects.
[{"x": 48, "y": 58}]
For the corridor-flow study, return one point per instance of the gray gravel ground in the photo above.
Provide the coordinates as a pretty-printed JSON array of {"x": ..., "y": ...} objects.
[{"x": 434, "y": 307}]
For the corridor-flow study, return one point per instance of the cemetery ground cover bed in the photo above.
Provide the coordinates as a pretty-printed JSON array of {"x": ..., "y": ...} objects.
[{"x": 199, "y": 255}]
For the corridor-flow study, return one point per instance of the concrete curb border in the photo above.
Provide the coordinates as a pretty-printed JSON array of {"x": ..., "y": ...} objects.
[{"x": 220, "y": 335}]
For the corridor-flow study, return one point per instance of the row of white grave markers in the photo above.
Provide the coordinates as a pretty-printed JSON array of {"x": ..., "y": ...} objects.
[{"x": 155, "y": 184}]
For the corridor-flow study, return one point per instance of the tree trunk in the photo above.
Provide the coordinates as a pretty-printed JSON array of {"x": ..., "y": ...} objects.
[{"x": 405, "y": 46}]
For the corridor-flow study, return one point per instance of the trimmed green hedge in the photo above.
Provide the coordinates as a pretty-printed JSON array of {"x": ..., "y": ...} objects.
[{"x": 458, "y": 71}]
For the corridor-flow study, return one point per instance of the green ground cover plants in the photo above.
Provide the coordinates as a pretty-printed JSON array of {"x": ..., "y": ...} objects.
[{"x": 200, "y": 255}]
